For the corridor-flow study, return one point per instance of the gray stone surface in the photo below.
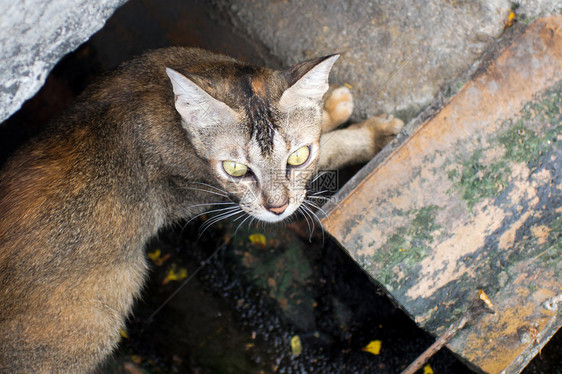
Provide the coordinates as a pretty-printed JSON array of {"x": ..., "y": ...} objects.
[
  {"x": 530, "y": 9},
  {"x": 35, "y": 35},
  {"x": 397, "y": 54}
]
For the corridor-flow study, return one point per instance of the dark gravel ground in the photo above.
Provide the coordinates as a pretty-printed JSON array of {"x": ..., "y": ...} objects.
[
  {"x": 239, "y": 311},
  {"x": 227, "y": 320}
]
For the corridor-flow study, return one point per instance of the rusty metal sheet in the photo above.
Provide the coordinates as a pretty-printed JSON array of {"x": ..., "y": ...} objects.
[{"x": 473, "y": 200}]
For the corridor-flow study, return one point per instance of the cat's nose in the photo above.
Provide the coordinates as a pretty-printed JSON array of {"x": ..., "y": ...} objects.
[{"x": 278, "y": 209}]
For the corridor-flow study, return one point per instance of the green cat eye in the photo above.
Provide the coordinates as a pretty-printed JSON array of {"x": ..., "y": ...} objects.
[
  {"x": 299, "y": 157},
  {"x": 234, "y": 168}
]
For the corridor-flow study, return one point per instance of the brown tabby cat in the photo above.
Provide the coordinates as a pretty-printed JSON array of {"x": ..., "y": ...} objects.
[{"x": 158, "y": 140}]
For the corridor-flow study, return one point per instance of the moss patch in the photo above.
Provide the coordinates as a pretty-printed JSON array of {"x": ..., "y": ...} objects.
[
  {"x": 476, "y": 180},
  {"x": 407, "y": 246},
  {"x": 523, "y": 140}
]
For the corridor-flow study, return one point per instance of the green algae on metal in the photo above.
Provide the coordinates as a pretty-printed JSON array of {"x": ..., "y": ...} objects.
[
  {"x": 511, "y": 158},
  {"x": 479, "y": 178},
  {"x": 406, "y": 247}
]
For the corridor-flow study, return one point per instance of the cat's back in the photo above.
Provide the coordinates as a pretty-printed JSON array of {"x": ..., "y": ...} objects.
[
  {"x": 75, "y": 210},
  {"x": 99, "y": 139},
  {"x": 78, "y": 202},
  {"x": 86, "y": 179},
  {"x": 147, "y": 73}
]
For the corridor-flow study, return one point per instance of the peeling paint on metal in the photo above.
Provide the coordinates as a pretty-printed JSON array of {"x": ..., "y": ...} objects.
[{"x": 473, "y": 200}]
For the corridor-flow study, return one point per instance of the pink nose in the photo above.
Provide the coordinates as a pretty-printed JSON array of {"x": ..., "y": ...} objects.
[{"x": 278, "y": 209}]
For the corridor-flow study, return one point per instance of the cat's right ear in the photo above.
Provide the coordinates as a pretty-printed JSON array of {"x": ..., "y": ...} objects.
[
  {"x": 308, "y": 81},
  {"x": 197, "y": 107}
]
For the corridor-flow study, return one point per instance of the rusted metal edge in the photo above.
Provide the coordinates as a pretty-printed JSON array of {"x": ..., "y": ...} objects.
[
  {"x": 544, "y": 32},
  {"x": 442, "y": 98}
]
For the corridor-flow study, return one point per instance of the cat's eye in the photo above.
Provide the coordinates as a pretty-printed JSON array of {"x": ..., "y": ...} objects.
[
  {"x": 234, "y": 169},
  {"x": 299, "y": 157}
]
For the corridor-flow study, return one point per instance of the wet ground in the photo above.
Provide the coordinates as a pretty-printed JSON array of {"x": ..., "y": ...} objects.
[
  {"x": 241, "y": 303},
  {"x": 252, "y": 294},
  {"x": 263, "y": 288}
]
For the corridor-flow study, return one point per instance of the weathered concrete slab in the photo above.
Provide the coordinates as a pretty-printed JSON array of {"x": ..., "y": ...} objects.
[
  {"x": 473, "y": 200},
  {"x": 35, "y": 35},
  {"x": 397, "y": 55},
  {"x": 531, "y": 9}
]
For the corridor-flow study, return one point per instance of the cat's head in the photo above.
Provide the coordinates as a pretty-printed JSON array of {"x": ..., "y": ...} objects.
[{"x": 258, "y": 129}]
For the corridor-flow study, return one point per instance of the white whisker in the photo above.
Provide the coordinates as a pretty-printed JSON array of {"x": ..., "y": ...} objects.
[
  {"x": 208, "y": 191},
  {"x": 237, "y": 218},
  {"x": 310, "y": 214},
  {"x": 218, "y": 218},
  {"x": 215, "y": 203},
  {"x": 319, "y": 197},
  {"x": 305, "y": 215},
  {"x": 211, "y": 186},
  {"x": 230, "y": 208},
  {"x": 318, "y": 176},
  {"x": 241, "y": 223},
  {"x": 305, "y": 207},
  {"x": 314, "y": 215},
  {"x": 314, "y": 205},
  {"x": 316, "y": 193}
]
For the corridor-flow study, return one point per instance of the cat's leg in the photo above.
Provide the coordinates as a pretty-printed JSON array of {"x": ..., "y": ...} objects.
[
  {"x": 358, "y": 142},
  {"x": 73, "y": 340},
  {"x": 338, "y": 107}
]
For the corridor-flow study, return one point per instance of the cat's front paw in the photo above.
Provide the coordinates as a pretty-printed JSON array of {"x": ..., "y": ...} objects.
[
  {"x": 382, "y": 128},
  {"x": 337, "y": 108},
  {"x": 384, "y": 124}
]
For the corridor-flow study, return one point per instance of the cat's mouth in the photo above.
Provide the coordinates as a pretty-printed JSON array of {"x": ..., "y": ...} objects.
[
  {"x": 273, "y": 212},
  {"x": 277, "y": 214}
]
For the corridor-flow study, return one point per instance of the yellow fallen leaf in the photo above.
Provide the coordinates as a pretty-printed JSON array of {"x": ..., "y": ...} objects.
[
  {"x": 511, "y": 18},
  {"x": 296, "y": 346},
  {"x": 258, "y": 239},
  {"x": 174, "y": 275},
  {"x": 482, "y": 295},
  {"x": 348, "y": 85},
  {"x": 157, "y": 258},
  {"x": 154, "y": 254},
  {"x": 427, "y": 369},
  {"x": 373, "y": 347}
]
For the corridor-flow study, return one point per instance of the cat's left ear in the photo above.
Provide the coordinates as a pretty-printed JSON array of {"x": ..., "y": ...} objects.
[
  {"x": 197, "y": 107},
  {"x": 308, "y": 80}
]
